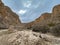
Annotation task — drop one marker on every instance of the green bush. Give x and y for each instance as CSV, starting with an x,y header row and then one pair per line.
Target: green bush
x,y
51,24
38,28
55,30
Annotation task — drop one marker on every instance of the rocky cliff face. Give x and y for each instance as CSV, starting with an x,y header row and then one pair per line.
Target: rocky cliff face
x,y
7,17
47,18
56,14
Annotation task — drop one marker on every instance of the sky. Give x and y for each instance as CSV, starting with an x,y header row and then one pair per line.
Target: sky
x,y
29,10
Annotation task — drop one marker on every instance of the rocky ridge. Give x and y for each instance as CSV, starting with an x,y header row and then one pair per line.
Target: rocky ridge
x,y
8,17
47,18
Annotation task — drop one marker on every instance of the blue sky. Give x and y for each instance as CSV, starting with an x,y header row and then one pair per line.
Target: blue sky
x,y
29,10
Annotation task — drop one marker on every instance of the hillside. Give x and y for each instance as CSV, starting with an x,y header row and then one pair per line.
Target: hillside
x,y
47,18
8,17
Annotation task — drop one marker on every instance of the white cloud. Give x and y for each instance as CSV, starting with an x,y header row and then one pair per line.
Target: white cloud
x,y
22,12
27,4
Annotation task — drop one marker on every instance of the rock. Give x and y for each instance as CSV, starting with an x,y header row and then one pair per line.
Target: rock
x,y
28,38
8,17
56,14
56,10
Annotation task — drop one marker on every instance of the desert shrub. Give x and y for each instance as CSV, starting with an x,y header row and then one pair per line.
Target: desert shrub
x,y
55,30
51,24
38,28
29,27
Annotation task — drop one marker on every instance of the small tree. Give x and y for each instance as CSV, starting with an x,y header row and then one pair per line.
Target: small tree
x,y
55,30
38,28
51,24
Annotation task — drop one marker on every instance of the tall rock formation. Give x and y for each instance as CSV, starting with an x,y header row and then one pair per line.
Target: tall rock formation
x,y
7,17
56,14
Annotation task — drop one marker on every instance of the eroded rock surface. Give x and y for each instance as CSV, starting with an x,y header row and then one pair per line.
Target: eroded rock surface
x,y
47,18
28,38
7,17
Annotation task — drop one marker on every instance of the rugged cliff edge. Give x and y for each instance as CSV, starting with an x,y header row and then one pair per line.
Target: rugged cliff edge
x,y
47,18
7,17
